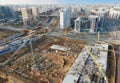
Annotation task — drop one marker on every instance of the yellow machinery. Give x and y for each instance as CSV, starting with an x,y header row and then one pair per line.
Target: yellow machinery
x,y
97,64
98,35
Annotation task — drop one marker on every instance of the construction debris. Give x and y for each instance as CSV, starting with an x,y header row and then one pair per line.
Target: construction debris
x,y
50,61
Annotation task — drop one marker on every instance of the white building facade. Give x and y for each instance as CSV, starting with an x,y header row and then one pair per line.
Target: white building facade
x,y
35,13
102,13
115,12
77,25
26,15
65,18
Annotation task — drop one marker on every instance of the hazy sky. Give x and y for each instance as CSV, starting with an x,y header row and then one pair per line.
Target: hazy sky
x,y
28,1
57,1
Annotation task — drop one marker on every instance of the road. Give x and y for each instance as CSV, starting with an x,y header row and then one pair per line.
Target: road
x,y
10,28
78,36
13,44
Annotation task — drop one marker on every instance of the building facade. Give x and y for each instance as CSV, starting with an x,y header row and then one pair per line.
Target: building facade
x,y
29,15
65,18
94,20
7,13
74,13
115,13
102,13
26,16
35,13
82,25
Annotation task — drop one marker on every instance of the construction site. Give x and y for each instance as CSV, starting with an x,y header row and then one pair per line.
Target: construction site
x,y
51,55
48,59
60,60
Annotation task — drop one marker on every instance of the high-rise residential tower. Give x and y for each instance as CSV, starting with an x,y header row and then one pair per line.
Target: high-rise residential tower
x,y
65,18
35,13
94,20
26,16
102,13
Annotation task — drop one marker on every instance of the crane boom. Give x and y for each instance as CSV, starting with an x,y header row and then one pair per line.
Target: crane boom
x,y
97,64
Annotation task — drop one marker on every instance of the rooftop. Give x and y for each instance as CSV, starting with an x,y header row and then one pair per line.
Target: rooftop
x,y
58,47
100,10
93,16
84,64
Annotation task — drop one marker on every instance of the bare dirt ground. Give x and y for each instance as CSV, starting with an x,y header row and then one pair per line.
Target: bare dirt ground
x,y
53,65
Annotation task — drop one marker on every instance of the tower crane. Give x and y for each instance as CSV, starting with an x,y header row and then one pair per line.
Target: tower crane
x,y
32,54
97,64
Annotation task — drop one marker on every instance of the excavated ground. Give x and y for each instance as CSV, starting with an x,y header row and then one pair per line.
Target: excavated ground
x,y
44,66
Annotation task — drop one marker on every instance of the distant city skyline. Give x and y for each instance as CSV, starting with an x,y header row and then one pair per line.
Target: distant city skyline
x,y
4,2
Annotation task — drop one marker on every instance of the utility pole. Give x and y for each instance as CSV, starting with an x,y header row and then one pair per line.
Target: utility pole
x,y
65,32
32,53
98,35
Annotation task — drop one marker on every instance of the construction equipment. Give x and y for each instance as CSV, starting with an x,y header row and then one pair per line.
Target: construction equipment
x,y
32,54
103,49
97,64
